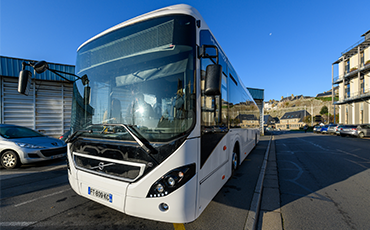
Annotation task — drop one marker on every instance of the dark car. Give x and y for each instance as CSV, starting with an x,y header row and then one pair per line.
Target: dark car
x,y
363,131
65,136
348,130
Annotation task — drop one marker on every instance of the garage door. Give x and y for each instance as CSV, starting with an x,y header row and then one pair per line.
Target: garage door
x,y
47,108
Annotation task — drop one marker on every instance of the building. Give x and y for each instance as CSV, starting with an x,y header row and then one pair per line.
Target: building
x,y
354,83
248,121
268,121
47,108
329,93
292,120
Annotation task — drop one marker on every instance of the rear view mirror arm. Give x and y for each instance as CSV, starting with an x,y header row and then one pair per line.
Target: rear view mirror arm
x,y
44,66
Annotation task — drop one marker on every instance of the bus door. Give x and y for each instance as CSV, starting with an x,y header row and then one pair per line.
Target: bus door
x,y
215,152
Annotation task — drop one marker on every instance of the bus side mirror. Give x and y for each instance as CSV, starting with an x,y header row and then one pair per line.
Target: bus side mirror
x,y
40,67
213,80
24,82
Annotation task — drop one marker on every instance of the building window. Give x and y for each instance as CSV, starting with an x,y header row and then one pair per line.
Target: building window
x,y
347,67
362,61
362,83
347,89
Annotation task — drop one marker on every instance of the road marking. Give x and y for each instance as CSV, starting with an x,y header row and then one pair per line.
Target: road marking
x,y
30,201
179,226
14,224
55,168
314,144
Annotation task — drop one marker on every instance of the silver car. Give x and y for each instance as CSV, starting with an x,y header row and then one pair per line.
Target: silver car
x,y
332,129
21,145
348,130
363,131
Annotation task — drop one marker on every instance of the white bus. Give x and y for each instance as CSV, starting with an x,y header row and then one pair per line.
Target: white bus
x,y
160,119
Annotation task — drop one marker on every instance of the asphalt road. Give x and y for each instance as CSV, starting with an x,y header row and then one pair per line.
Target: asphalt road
x,y
324,181
39,197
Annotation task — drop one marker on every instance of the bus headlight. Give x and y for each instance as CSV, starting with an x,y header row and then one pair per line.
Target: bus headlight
x,y
159,188
171,181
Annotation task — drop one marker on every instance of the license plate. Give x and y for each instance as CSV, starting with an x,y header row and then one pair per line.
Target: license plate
x,y
57,156
100,194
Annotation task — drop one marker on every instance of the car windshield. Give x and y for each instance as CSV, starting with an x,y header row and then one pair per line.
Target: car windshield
x,y
141,76
18,132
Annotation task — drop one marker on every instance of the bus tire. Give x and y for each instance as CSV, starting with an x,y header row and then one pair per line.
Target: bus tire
x,y
235,160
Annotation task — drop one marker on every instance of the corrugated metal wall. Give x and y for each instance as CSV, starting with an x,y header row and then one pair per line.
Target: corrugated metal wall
x,y
47,108
48,105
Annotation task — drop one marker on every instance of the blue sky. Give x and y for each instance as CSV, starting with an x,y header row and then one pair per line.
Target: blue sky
x,y
284,47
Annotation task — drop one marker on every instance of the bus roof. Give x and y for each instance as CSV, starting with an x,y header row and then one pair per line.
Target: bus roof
x,y
175,9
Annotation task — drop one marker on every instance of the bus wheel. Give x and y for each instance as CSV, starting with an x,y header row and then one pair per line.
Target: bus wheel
x,y
234,162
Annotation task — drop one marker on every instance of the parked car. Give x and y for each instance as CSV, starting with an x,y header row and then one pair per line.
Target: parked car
x,y
316,129
324,129
363,131
332,129
21,145
348,130
337,129
65,135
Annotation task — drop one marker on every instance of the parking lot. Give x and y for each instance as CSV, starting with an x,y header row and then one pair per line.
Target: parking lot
x,y
322,183
39,196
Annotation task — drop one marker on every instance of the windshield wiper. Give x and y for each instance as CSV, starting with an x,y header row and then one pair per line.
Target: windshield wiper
x,y
148,148
77,134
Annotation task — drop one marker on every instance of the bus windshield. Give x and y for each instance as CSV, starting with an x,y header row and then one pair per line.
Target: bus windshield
x,y
142,76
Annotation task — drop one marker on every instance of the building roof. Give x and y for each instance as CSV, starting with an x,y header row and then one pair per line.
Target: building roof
x,y
296,114
366,33
362,44
325,94
267,119
244,117
10,67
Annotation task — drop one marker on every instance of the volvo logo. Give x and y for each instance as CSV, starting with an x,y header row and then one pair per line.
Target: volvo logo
x,y
101,166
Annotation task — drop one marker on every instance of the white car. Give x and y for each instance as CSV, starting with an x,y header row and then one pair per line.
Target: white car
x,y
21,145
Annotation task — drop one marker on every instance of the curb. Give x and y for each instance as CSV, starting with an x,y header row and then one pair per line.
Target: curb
x,y
270,216
252,218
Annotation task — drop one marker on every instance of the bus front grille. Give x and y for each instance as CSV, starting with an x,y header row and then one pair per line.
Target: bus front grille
x,y
116,169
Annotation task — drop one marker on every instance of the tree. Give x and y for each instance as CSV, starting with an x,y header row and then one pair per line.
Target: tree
x,y
307,119
324,110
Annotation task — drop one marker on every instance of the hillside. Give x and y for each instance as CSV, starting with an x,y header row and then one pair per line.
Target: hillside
x,y
311,105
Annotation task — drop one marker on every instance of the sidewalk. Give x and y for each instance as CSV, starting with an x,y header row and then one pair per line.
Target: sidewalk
x,y
270,213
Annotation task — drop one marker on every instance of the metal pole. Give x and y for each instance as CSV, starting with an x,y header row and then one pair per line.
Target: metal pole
x,y
332,89
311,115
